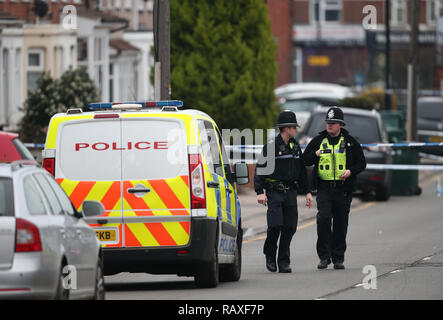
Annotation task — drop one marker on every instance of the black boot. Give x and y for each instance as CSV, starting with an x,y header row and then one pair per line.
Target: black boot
x,y
323,264
284,268
270,264
339,266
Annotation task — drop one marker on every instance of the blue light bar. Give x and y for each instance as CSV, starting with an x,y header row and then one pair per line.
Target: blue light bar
x,y
100,106
144,105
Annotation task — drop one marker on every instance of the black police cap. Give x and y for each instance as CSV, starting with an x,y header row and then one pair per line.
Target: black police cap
x,y
287,119
335,114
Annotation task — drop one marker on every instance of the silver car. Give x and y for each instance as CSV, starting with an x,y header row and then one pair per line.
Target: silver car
x,y
47,250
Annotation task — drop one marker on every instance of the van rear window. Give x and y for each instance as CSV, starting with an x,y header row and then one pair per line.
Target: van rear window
x,y
88,150
158,148
6,197
122,149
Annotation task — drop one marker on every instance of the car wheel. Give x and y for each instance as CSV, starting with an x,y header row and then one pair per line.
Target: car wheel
x,y
99,292
207,274
62,293
382,194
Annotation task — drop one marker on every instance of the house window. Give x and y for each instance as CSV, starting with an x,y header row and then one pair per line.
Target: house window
x,y
18,69
98,49
141,5
60,57
82,49
326,11
128,4
434,10
5,78
35,67
399,12
150,5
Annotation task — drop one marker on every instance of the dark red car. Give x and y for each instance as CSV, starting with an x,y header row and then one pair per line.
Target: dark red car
x,y
12,149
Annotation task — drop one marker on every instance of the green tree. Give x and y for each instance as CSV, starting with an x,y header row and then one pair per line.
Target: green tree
x,y
73,90
223,61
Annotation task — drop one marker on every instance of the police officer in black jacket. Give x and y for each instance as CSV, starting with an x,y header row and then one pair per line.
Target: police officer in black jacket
x,y
281,190
337,158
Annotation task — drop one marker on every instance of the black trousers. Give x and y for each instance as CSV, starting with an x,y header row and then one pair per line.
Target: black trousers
x,y
282,218
333,206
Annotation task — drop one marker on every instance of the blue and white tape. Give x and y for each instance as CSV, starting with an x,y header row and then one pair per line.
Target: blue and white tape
x,y
256,149
34,145
386,145
421,167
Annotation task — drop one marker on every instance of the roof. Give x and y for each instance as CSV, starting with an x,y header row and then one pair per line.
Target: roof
x,y
122,45
104,17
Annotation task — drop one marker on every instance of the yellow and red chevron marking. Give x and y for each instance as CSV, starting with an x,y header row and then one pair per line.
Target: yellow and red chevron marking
x,y
168,197
106,192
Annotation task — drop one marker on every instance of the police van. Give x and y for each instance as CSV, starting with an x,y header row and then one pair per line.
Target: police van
x,y
167,191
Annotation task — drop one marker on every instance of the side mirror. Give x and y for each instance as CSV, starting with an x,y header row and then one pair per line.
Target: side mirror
x,y
92,208
241,173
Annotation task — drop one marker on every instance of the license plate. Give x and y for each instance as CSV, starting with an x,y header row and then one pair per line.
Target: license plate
x,y
106,235
435,139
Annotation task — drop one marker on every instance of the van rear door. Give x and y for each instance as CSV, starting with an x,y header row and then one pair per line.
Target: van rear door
x,y
155,180
88,167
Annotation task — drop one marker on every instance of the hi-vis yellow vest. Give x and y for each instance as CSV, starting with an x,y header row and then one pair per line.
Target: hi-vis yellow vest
x,y
332,161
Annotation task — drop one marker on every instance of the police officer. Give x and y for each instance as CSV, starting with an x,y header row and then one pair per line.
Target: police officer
x,y
337,158
281,190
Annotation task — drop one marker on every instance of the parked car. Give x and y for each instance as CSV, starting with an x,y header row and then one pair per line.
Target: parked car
x,y
430,123
303,98
12,149
46,249
367,127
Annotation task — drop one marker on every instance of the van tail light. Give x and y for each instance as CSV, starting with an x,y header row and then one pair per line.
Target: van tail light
x,y
197,182
49,165
27,236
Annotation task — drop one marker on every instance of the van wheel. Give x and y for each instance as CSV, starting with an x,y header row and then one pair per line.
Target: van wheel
x,y
61,293
232,272
208,273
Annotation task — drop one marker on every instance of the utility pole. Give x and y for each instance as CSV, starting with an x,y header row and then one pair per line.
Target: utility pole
x,y
388,55
414,9
162,46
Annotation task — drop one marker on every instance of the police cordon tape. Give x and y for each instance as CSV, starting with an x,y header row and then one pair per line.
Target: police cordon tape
x,y
256,149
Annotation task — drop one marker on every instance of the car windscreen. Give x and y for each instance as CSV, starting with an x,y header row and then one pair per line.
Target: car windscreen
x,y
6,197
432,110
299,105
365,129
22,150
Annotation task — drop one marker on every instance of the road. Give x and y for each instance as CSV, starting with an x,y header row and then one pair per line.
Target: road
x,y
401,238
